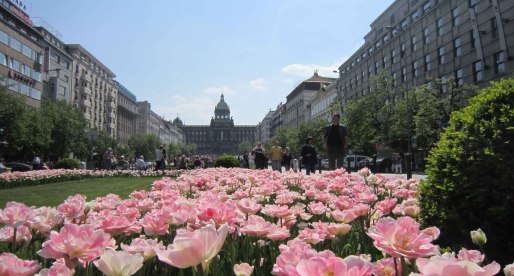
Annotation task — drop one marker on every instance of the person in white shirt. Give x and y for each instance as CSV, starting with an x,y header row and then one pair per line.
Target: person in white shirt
x,y
141,164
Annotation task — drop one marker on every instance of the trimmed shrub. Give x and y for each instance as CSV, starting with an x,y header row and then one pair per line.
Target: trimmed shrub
x,y
67,163
471,175
226,161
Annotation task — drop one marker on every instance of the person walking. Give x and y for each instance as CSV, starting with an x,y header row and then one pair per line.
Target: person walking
x,y
158,158
107,159
276,157
286,159
251,160
261,160
335,142
309,157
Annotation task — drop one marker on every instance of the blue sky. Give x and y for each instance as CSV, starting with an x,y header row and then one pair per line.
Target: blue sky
x,y
181,54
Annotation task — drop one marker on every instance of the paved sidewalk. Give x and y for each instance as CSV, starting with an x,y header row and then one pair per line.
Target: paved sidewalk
x,y
414,174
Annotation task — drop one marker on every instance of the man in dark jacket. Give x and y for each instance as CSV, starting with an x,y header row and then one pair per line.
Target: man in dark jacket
x,y
335,142
309,156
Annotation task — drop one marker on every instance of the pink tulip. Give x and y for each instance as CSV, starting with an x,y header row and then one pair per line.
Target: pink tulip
x,y
23,234
79,242
256,226
401,237
44,219
11,265
16,214
449,265
248,206
58,268
194,248
471,255
243,269
73,208
385,267
119,263
146,247
509,270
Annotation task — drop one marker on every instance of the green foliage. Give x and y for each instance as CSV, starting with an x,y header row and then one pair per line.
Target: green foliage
x,y
144,144
294,138
67,163
245,146
13,113
470,174
226,161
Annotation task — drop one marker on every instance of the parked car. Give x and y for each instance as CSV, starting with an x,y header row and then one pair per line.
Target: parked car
x,y
351,161
383,164
3,168
18,167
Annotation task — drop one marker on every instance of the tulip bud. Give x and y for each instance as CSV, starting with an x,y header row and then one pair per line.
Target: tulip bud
x,y
478,237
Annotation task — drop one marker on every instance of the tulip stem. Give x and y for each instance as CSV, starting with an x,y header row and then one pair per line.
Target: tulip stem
x,y
395,267
13,245
199,269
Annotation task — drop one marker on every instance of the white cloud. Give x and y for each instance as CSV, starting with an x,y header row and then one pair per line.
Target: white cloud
x,y
217,90
307,70
191,110
288,81
258,84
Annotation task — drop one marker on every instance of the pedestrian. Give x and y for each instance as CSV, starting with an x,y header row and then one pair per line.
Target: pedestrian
x,y
182,163
251,160
158,158
246,160
309,157
261,160
164,160
286,159
335,142
141,164
197,163
276,157
107,159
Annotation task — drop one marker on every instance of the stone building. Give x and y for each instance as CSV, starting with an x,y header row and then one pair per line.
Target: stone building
x,y
418,41
127,114
221,136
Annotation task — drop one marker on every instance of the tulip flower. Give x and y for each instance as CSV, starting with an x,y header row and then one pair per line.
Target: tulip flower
x,y
119,263
194,248
243,269
478,237
10,264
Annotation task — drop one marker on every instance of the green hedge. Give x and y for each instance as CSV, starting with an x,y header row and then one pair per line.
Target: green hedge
x,y
226,161
471,175
68,163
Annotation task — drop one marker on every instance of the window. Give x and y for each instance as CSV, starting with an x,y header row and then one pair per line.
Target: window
x,y
378,44
404,24
404,74
458,77
395,77
442,56
415,69
499,63
370,50
456,17
472,39
403,47
377,65
494,27
25,50
414,41
364,55
440,26
15,65
478,71
394,56
426,35
35,94
3,59
473,4
15,44
414,16
427,7
24,89
428,63
386,38
457,47
4,38
384,61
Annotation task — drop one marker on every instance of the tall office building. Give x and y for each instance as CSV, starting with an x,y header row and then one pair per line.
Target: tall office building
x,y
127,114
95,91
20,53
418,41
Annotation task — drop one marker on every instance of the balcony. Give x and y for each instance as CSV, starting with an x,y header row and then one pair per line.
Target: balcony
x,y
85,77
112,104
85,90
85,102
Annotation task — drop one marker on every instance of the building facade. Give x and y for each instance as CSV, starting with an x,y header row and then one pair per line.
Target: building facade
x,y
298,101
57,67
221,136
319,108
127,115
20,53
264,127
470,41
95,92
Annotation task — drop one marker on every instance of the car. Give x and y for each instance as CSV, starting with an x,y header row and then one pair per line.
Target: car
x,y
383,164
351,161
3,168
18,167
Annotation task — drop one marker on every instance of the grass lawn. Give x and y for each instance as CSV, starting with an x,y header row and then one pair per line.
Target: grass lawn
x,y
55,194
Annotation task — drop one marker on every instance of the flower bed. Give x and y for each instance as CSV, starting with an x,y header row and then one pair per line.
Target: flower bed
x,y
32,178
236,221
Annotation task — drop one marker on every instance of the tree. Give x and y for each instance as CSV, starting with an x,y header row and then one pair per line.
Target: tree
x,y
68,127
144,144
245,146
13,119
374,118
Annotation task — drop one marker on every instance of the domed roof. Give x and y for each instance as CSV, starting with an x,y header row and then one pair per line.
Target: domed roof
x,y
222,105
178,122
